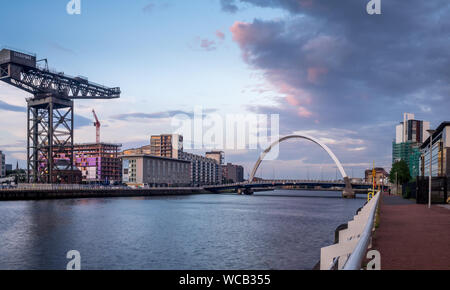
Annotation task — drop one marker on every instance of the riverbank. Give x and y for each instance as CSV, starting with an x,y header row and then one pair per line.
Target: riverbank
x,y
412,237
40,194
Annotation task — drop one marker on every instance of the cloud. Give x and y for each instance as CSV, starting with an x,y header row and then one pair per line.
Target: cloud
x,y
207,44
148,8
61,48
229,6
158,115
220,35
203,44
354,61
152,6
8,107
357,149
331,64
80,121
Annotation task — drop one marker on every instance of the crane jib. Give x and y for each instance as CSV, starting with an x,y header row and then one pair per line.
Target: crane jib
x,y
49,155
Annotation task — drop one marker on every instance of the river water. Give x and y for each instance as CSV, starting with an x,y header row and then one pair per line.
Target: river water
x,y
271,230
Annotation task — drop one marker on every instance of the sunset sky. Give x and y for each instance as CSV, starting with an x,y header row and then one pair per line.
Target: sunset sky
x,y
326,67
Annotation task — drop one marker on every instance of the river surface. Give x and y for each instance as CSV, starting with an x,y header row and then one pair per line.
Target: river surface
x,y
271,230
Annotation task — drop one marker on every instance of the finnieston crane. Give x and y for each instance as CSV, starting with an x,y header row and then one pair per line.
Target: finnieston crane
x,y
50,111
97,127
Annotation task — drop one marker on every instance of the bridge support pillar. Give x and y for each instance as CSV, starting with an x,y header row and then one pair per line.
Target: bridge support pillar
x,y
246,191
348,190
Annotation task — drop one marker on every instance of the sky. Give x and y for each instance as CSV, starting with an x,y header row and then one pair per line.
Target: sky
x,y
326,67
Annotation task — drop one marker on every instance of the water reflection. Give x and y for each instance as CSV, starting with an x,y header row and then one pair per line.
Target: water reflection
x,y
267,231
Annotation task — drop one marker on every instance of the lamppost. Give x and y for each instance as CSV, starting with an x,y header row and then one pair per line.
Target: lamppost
x,y
431,132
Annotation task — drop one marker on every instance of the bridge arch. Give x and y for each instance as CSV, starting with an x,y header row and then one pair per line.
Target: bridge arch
x,y
348,188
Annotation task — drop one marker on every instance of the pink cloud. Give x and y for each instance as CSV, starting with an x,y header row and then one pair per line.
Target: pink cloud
x,y
240,31
314,73
247,35
220,34
292,101
207,44
306,3
303,112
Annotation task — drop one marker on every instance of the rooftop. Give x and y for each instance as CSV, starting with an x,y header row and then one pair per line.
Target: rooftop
x,y
153,157
438,131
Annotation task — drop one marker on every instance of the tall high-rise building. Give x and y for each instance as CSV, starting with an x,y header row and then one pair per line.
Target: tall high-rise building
x,y
409,135
2,164
411,130
166,145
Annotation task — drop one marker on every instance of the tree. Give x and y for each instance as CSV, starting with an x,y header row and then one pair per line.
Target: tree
x,y
399,172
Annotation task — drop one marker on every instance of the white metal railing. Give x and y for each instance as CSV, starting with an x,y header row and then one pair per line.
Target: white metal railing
x,y
353,242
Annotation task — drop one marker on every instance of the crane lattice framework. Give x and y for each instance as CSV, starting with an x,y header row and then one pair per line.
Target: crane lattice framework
x,y
50,111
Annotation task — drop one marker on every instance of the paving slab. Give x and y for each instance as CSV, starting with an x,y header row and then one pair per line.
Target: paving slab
x,y
412,237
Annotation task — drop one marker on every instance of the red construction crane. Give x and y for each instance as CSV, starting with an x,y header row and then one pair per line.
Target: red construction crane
x,y
97,127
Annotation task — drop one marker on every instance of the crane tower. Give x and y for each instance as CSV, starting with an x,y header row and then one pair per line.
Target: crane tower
x,y
50,113
97,127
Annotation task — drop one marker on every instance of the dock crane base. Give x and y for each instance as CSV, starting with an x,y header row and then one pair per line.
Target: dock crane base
x,y
50,136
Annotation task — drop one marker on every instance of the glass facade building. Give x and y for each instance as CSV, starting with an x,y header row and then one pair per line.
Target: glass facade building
x,y
410,153
440,163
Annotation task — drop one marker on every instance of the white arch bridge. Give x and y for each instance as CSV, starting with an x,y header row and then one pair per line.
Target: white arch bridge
x,y
251,183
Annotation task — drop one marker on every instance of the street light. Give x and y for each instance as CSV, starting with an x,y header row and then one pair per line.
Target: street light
x,y
431,132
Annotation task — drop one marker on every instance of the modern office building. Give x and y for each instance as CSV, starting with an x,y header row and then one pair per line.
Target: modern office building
x,y
9,167
410,153
204,171
98,162
142,169
2,164
411,130
410,134
232,173
166,145
440,162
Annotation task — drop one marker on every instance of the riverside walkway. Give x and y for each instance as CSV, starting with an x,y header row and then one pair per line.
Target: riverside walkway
x,y
412,237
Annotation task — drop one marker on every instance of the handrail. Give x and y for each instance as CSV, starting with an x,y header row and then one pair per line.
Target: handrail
x,y
356,258
334,264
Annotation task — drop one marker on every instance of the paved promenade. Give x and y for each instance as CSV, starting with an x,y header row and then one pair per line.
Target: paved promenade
x,y
411,236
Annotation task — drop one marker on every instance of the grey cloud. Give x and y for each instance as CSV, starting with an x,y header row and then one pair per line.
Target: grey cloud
x,y
61,48
152,6
339,66
229,6
148,8
8,107
81,121
157,115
